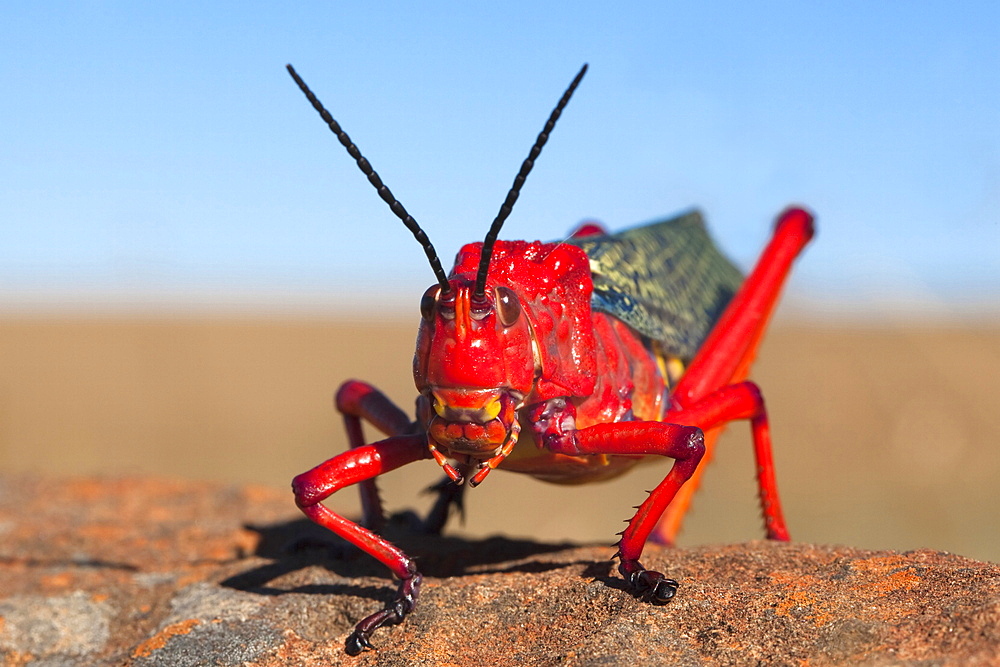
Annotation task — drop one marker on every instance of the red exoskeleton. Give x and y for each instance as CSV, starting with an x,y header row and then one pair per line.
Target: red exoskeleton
x,y
570,362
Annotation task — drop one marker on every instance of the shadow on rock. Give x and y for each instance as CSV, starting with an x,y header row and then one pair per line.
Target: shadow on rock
x,y
293,546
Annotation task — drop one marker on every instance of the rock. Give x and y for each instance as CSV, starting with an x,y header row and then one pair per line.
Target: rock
x,y
154,572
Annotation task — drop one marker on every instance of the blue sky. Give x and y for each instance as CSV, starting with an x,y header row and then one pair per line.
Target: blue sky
x,y
159,152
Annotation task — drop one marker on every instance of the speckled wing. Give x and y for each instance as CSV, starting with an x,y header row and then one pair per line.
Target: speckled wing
x,y
666,280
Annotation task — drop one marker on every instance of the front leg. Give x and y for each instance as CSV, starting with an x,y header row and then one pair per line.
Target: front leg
x,y
684,444
355,466
359,401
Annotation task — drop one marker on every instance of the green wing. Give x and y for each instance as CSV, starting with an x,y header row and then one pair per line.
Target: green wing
x,y
666,280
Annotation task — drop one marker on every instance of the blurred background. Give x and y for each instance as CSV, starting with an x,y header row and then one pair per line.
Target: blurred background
x,y
191,264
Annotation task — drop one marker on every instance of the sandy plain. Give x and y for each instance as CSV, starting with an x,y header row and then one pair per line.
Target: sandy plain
x,y
886,436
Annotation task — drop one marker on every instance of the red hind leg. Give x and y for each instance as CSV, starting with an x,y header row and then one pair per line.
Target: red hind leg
x,y
728,352
743,401
725,358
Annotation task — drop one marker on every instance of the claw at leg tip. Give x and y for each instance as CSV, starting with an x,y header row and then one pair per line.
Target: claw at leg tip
x,y
355,644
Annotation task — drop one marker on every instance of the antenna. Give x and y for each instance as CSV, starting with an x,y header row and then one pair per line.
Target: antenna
x,y
383,190
508,204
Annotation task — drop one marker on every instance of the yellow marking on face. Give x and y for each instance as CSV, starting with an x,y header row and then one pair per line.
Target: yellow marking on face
x,y
493,408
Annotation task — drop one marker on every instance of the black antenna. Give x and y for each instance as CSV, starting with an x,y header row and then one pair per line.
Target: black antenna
x,y
374,179
529,162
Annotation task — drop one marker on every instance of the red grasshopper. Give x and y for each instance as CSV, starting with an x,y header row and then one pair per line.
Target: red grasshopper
x,y
571,362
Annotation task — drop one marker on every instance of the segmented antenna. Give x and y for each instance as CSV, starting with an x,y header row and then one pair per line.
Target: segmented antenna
x,y
374,179
529,162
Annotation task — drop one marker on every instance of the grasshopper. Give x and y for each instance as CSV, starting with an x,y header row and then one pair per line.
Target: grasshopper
x,y
571,362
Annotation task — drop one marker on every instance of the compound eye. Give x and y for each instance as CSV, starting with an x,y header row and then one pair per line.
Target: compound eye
x,y
428,301
508,306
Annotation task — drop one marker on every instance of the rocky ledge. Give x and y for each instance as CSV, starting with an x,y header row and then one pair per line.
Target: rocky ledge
x,y
153,572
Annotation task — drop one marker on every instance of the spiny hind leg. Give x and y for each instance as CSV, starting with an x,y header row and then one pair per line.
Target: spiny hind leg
x,y
725,359
732,402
